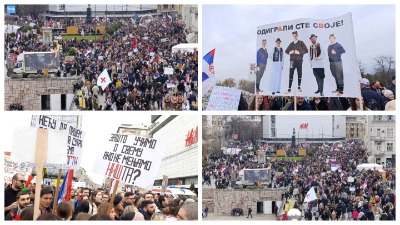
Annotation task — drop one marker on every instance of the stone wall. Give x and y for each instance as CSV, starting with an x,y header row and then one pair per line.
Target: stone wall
x,y
208,199
28,91
227,199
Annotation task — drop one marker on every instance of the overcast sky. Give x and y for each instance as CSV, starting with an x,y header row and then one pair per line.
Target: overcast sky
x,y
231,30
97,133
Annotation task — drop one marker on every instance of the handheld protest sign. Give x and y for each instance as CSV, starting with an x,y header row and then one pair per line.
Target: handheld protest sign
x,y
56,193
40,159
131,159
112,197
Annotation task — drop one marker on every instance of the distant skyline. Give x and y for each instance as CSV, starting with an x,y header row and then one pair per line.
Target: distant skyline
x,y
234,37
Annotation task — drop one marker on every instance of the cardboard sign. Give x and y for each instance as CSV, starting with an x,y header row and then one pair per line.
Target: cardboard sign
x,y
131,159
74,141
168,70
224,98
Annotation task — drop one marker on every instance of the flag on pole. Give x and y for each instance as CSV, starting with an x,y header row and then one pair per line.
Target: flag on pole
x,y
311,196
295,169
208,76
103,80
364,185
88,52
69,185
334,166
63,189
170,17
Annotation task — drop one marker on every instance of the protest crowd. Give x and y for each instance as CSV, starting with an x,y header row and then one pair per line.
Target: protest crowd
x,y
88,204
375,97
134,56
342,192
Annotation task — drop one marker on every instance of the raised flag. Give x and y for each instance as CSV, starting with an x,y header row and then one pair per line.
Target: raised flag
x,y
63,189
88,52
364,185
311,196
295,169
334,166
208,76
170,17
103,80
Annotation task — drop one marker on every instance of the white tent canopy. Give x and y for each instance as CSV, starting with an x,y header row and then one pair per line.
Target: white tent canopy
x,y
184,48
8,29
370,166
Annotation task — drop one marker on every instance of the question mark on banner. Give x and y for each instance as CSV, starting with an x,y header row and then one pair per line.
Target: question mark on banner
x,y
137,174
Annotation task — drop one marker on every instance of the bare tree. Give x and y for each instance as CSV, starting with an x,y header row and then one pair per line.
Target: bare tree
x,y
229,82
385,69
246,85
211,138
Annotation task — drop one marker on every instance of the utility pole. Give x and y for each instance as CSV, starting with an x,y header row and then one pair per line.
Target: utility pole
x,y
95,22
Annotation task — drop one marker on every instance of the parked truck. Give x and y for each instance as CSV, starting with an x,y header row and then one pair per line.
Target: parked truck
x,y
32,62
249,177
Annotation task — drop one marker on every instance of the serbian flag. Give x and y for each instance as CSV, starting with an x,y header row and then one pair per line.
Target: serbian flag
x,y
334,166
103,80
311,196
64,193
364,185
208,76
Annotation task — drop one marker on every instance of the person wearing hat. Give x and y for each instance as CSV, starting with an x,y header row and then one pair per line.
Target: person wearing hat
x,y
372,99
262,56
316,56
335,51
296,50
277,67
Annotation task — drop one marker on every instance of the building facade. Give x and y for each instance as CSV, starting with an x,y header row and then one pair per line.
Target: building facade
x,y
356,127
179,160
97,10
381,140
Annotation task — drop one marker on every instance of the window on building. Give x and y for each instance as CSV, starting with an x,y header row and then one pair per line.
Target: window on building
x,y
63,102
378,132
389,147
45,102
390,132
390,118
378,146
172,6
379,118
165,6
378,161
273,132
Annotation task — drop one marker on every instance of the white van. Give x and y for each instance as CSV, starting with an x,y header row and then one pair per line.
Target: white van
x,y
176,193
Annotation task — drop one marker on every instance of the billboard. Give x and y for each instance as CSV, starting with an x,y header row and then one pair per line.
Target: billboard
x,y
11,9
308,57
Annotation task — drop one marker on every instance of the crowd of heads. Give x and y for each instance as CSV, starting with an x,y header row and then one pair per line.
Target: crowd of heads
x,y
134,56
374,97
98,204
340,192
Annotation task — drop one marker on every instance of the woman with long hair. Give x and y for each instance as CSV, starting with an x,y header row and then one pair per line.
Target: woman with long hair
x,y
355,105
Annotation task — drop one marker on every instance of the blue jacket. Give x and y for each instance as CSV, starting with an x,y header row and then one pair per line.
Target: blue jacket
x,y
305,106
262,56
339,51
